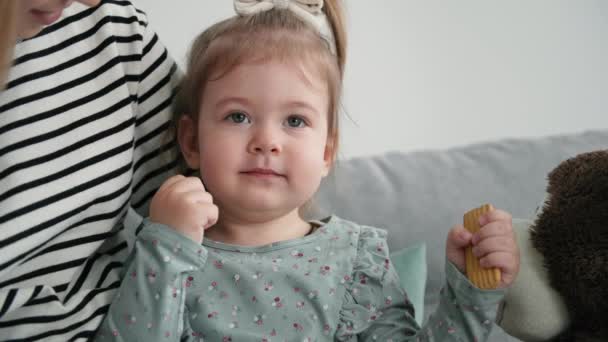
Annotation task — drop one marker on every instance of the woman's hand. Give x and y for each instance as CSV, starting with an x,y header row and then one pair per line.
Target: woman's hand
x,y
183,204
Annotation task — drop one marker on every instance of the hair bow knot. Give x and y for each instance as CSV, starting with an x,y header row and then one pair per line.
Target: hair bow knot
x,y
310,11
281,4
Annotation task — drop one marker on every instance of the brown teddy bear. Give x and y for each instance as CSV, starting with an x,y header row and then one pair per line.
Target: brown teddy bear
x,y
571,234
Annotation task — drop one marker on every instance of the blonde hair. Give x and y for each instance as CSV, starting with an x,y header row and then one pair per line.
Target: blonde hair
x,y
8,37
267,35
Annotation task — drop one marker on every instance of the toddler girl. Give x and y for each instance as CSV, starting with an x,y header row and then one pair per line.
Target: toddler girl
x,y
232,259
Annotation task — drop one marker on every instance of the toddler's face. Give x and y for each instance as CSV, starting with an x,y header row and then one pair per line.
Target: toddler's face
x,y
262,136
33,15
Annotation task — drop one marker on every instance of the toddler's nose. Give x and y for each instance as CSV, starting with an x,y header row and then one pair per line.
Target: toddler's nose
x,y
265,141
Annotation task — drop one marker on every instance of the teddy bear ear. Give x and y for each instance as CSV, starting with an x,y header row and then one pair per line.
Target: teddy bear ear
x,y
581,176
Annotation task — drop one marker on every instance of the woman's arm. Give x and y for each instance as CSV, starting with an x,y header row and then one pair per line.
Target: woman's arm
x,y
8,37
65,296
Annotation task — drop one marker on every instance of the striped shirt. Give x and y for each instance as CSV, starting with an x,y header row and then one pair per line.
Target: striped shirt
x,y
83,124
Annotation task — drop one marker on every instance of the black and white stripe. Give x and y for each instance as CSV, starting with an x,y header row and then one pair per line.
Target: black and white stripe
x,y
83,125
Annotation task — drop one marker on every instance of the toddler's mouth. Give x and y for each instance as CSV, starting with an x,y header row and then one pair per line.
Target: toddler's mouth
x,y
262,172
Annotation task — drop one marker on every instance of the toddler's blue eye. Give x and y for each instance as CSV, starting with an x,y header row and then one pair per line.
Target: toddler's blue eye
x,y
238,117
295,121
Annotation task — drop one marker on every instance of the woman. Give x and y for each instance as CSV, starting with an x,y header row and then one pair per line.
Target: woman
x,y
83,115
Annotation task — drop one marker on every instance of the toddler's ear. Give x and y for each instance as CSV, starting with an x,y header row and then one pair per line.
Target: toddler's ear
x,y
188,140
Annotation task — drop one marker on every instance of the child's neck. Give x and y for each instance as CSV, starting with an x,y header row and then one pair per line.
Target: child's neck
x,y
243,232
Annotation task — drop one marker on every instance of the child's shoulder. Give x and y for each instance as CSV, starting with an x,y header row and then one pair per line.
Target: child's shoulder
x,y
364,231
365,238
367,246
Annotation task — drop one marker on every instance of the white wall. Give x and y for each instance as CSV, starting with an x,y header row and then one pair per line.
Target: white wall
x,y
436,74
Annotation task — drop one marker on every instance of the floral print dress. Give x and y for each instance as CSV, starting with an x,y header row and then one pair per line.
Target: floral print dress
x,y
335,284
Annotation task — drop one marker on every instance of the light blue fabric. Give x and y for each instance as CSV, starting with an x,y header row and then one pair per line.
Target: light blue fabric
x,y
410,264
337,283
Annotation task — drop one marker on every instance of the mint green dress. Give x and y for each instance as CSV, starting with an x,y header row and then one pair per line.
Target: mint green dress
x,y
335,284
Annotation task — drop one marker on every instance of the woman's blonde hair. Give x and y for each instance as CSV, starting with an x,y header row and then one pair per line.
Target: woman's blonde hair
x,y
8,37
273,34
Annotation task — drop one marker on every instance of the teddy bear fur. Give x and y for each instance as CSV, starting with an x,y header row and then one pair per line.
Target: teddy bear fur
x,y
571,232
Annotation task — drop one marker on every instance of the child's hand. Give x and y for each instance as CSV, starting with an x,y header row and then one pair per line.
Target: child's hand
x,y
183,204
494,245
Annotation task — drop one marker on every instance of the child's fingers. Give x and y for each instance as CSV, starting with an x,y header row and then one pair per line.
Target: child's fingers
x,y
494,244
507,262
458,238
186,184
211,213
197,196
496,228
170,181
495,215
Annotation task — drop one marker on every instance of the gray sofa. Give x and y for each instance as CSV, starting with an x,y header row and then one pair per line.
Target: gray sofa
x,y
419,196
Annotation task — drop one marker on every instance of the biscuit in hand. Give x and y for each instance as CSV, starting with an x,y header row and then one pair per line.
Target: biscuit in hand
x,y
483,278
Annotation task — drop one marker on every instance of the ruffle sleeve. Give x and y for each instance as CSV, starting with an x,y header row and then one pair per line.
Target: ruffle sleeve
x,y
375,306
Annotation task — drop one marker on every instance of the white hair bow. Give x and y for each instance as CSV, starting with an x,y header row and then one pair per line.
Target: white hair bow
x,y
310,11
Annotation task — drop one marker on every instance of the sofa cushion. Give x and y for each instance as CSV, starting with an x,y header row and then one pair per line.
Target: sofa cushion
x,y
410,264
418,196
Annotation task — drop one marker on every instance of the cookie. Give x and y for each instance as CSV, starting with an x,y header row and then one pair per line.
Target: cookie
x,y
483,278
